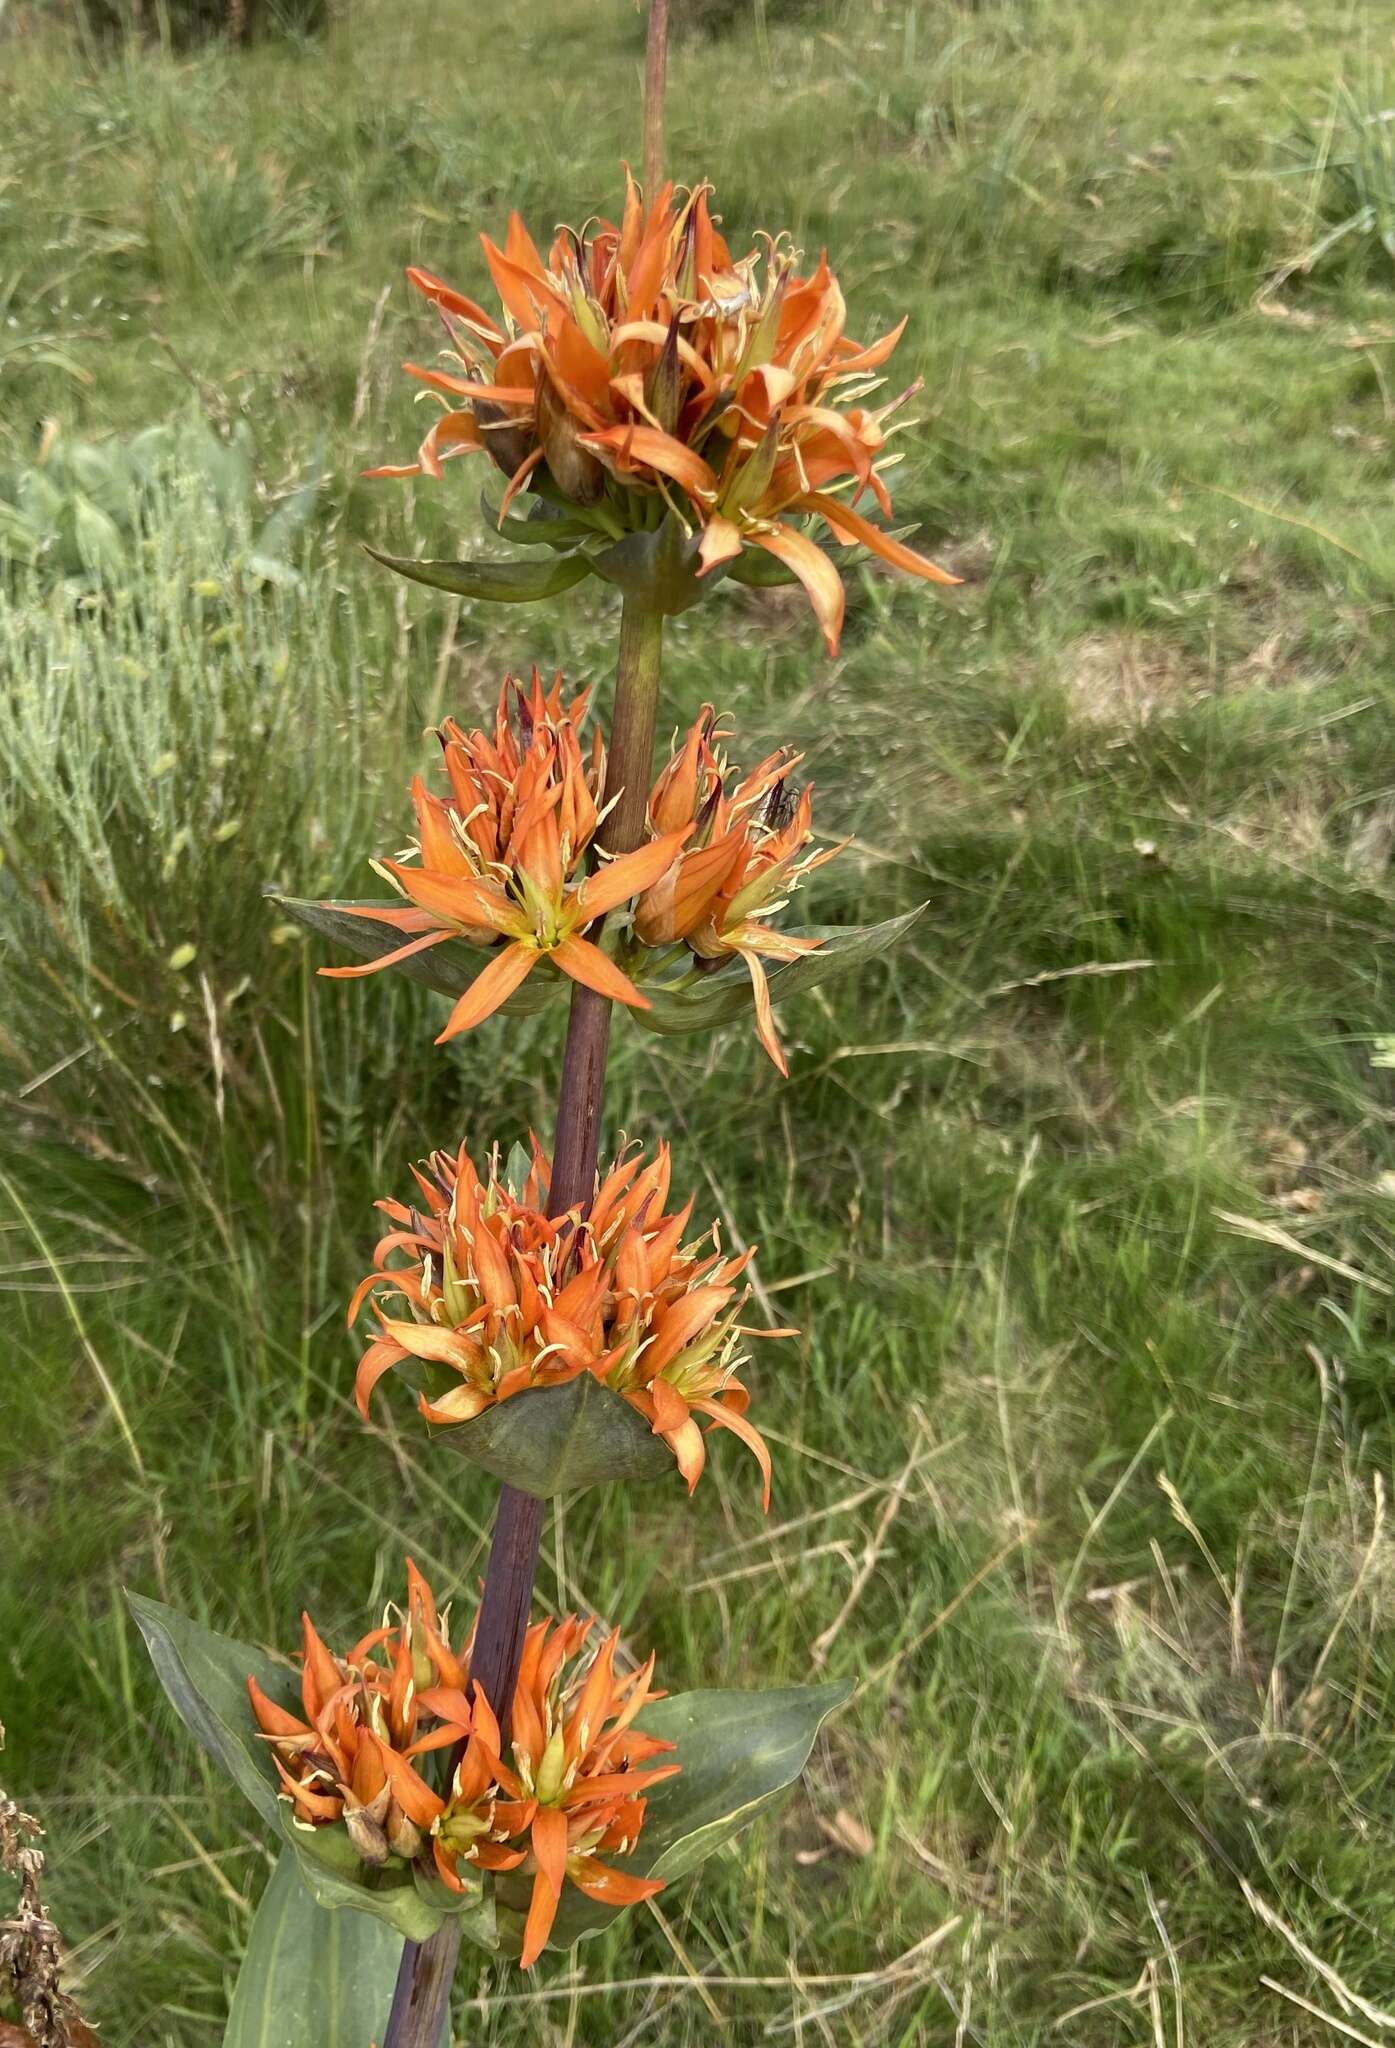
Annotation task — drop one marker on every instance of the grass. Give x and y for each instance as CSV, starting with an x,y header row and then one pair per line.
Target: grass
x,y
1083,1199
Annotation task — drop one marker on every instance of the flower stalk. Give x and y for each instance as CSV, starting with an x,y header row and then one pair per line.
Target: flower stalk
x,y
655,70
421,2002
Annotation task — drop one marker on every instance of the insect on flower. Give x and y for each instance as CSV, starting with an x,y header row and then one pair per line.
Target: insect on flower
x,y
641,367
502,1298
744,858
501,861
367,1756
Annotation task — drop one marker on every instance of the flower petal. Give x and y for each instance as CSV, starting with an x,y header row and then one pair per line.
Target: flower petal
x,y
751,1437
594,969
420,945
814,570
850,525
630,874
494,986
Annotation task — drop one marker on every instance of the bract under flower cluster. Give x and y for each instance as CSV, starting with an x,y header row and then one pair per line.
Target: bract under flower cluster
x,y
642,366
507,1299
572,1796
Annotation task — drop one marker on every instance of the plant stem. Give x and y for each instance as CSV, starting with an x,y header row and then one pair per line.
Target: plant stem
x,y
655,70
421,2002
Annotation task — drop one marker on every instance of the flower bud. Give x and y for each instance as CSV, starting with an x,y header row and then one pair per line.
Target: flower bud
x,y
552,1769
367,1836
506,444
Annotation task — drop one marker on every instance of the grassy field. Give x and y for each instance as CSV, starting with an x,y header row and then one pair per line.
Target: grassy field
x,y
1085,1200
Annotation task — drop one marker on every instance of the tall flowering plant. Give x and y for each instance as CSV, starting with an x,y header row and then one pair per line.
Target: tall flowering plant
x,y
665,412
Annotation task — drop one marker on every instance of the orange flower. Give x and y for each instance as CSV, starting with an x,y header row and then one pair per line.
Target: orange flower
x,y
362,1719
501,861
575,1793
375,1718
506,1299
641,365
739,866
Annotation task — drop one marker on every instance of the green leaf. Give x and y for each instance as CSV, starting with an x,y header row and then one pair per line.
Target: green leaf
x,y
659,568
740,1752
553,1440
311,1979
448,968
720,998
494,582
205,1676
542,525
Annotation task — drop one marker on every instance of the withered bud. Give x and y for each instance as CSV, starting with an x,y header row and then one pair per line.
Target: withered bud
x,y
508,442
577,473
664,391
369,1840
404,1836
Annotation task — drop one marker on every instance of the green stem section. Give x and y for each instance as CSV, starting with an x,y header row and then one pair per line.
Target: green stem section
x,y
421,2002
655,77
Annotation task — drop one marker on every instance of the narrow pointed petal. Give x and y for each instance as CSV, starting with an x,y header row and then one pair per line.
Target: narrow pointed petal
x,y
542,1911
495,985
612,1887
755,1443
850,525
765,1013
630,874
721,541
814,570
416,1798
594,969
383,960
655,450
378,1359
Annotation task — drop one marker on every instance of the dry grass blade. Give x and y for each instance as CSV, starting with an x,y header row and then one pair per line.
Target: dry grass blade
x,y
1284,1241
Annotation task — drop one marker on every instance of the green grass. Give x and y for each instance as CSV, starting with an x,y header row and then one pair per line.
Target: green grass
x,y
1105,1471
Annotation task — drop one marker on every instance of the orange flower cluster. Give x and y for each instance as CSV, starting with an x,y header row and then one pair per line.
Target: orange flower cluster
x,y
643,365
363,1715
502,858
507,1298
741,860
573,1795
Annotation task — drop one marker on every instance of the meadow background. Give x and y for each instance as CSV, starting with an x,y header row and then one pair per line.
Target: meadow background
x,y
1084,1199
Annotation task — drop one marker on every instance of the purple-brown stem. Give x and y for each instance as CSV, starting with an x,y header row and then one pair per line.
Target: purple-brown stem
x,y
421,2001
